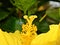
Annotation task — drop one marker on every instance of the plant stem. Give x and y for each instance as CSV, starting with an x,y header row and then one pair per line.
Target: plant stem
x,y
42,18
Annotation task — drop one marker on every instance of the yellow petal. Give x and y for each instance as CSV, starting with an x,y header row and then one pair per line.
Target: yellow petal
x,y
9,39
2,39
52,37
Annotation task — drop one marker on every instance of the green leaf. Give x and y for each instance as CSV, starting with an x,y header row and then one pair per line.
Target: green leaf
x,y
23,4
53,13
41,26
33,9
44,27
12,24
3,14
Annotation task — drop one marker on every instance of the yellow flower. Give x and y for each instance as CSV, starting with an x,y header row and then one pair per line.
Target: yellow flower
x,y
28,36
52,37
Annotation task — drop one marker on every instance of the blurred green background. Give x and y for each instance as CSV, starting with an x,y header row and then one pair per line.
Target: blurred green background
x,y
12,12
